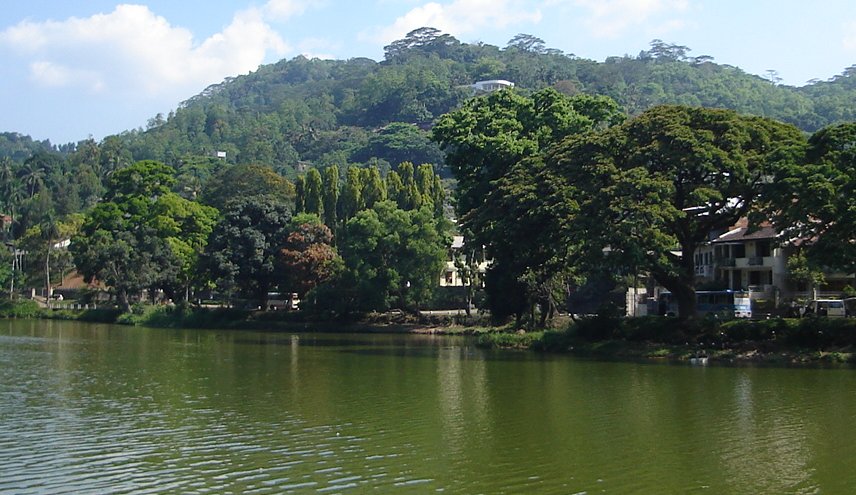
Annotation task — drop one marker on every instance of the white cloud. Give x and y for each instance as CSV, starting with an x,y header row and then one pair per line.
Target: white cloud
x,y
133,50
610,18
282,10
55,75
317,48
849,40
457,18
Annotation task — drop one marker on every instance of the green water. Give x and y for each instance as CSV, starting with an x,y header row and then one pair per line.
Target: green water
x,y
106,409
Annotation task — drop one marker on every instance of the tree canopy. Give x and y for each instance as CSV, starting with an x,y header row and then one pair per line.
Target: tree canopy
x,y
652,190
811,201
488,144
142,235
242,255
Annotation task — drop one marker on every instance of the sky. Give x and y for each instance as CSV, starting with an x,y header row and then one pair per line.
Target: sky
x,y
75,69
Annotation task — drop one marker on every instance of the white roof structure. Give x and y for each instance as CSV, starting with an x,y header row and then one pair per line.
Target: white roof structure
x,y
492,85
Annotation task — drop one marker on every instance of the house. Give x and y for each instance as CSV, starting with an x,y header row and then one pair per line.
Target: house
x,y
451,276
750,258
492,85
743,258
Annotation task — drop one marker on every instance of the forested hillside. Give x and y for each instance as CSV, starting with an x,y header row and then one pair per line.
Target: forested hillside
x,y
321,112
354,111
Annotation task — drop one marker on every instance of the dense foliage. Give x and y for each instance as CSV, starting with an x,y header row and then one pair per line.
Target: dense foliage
x,y
548,177
651,191
355,111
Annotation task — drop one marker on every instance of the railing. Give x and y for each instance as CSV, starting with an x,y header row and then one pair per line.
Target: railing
x,y
73,306
756,261
726,262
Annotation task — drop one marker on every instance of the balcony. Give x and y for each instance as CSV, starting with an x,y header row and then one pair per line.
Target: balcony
x,y
726,262
756,261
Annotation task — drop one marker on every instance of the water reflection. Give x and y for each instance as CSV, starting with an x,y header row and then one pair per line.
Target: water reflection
x,y
97,408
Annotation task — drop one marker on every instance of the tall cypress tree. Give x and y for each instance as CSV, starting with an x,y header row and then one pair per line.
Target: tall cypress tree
x,y
313,202
331,196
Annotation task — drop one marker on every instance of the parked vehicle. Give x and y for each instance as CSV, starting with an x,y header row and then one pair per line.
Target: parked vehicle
x,y
289,301
832,308
724,304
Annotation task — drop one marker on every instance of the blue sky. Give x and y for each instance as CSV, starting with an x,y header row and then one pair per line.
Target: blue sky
x,y
79,68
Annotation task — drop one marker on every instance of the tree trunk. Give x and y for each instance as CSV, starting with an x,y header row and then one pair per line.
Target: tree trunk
x,y
48,275
682,287
686,297
122,299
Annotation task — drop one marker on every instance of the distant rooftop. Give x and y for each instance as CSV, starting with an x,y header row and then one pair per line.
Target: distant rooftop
x,y
492,85
742,232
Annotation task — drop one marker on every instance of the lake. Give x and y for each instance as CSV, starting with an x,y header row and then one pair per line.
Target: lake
x,y
90,408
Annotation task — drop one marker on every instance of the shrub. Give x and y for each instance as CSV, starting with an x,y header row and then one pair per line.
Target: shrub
x,y
757,330
555,341
20,309
508,339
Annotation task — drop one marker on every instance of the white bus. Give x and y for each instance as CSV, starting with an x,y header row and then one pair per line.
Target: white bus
x,y
724,304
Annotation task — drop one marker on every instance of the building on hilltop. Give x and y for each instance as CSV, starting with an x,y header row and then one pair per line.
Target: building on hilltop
x,y
491,85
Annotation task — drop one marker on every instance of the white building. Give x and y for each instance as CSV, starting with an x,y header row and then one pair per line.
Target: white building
x,y
744,258
492,85
451,276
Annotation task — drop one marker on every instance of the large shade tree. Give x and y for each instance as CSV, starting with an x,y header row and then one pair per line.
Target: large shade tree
x,y
484,142
813,200
142,235
650,191
243,181
243,250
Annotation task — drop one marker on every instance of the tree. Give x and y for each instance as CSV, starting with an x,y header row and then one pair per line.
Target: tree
x,y
331,197
40,241
374,189
142,235
243,181
308,255
424,38
125,258
526,43
812,199
398,142
32,176
408,197
313,201
484,142
393,258
652,190
300,194
489,134
6,269
49,234
243,250
352,194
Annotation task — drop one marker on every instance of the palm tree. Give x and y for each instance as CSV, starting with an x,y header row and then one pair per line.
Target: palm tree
x,y
32,176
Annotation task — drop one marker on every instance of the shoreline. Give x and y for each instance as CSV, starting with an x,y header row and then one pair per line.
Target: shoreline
x,y
763,342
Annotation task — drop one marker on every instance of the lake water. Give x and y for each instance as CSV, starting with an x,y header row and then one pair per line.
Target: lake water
x,y
107,409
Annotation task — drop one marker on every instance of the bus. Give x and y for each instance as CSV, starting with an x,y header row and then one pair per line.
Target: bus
x,y
724,304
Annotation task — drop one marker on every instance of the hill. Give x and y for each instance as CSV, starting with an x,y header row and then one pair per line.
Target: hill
x,y
301,112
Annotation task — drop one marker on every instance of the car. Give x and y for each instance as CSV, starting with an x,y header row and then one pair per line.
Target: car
x,y
831,308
